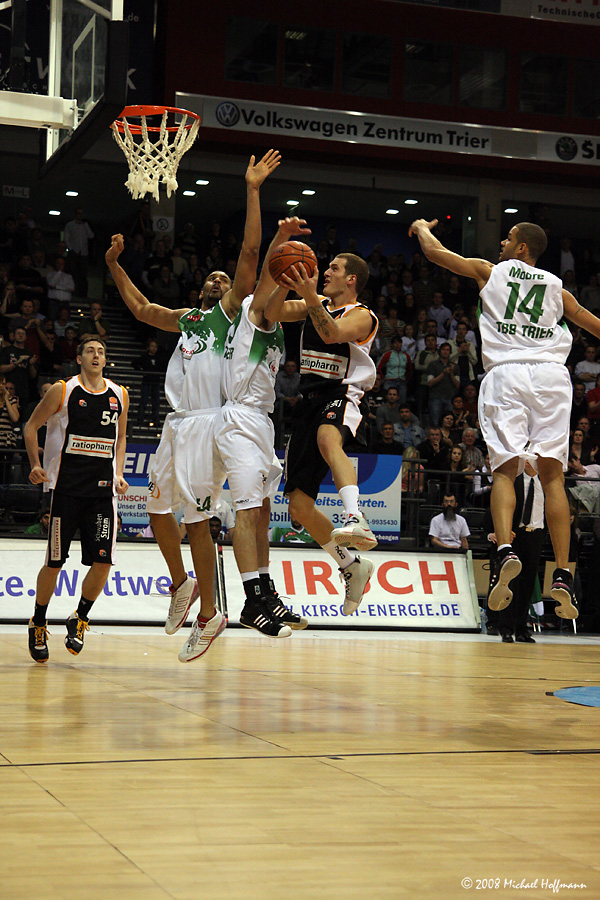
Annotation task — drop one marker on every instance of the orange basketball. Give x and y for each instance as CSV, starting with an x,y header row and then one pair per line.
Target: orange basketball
x,y
286,256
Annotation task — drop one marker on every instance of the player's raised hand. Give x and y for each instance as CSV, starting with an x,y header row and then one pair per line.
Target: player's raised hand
x,y
258,171
121,485
420,224
38,475
116,248
293,225
304,284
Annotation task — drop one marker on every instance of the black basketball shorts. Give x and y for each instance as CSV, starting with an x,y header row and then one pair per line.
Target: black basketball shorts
x,y
95,518
305,468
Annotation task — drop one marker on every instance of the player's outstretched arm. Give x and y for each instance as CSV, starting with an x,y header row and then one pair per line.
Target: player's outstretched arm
x,y
140,306
579,315
288,228
245,272
278,309
48,405
434,250
121,484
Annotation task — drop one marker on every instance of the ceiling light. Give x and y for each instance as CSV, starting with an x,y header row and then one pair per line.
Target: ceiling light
x,y
202,181
292,202
308,193
410,202
54,212
468,218
511,209
189,193
392,212
72,194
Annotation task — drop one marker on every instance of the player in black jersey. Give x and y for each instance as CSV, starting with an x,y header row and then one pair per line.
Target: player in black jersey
x,y
83,464
335,372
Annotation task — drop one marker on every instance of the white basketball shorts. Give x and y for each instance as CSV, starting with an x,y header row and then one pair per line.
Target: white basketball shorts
x,y
524,411
245,438
163,493
199,469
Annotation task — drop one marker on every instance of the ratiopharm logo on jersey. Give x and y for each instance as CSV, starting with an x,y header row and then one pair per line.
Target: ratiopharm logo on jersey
x,y
379,483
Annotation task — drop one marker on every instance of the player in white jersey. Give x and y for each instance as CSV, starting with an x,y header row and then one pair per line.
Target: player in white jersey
x,y
336,370
193,390
245,438
525,398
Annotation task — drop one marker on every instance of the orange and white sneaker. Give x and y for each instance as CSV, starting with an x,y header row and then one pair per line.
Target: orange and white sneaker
x,y
355,533
202,636
182,600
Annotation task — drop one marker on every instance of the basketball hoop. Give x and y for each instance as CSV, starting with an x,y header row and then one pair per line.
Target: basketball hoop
x,y
153,152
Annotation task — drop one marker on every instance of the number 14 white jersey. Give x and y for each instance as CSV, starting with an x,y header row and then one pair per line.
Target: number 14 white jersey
x,y
520,316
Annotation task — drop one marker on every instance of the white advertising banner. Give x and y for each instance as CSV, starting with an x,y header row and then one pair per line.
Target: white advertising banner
x,y
368,129
579,12
412,590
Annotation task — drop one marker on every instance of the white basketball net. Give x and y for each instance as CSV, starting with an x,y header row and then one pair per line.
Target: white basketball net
x,y
151,158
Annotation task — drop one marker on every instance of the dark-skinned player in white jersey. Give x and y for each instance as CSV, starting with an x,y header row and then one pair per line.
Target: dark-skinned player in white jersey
x,y
525,397
83,464
335,372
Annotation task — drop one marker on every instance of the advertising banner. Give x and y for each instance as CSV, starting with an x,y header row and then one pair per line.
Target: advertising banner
x,y
369,129
379,481
412,590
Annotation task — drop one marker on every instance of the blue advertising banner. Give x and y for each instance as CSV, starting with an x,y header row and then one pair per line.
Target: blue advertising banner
x,y
379,481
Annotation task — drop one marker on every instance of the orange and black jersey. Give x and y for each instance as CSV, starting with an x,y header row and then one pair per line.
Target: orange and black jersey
x,y
348,363
80,450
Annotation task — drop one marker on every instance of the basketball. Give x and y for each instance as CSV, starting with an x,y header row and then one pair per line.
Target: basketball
x,y
286,256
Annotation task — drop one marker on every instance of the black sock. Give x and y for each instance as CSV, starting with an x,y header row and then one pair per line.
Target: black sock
x,y
267,585
39,614
83,610
253,590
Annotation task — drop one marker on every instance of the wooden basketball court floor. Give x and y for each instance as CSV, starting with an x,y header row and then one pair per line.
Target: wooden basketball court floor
x,y
351,766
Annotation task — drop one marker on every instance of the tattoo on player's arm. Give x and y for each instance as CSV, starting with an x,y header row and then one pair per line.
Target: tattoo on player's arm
x,y
322,321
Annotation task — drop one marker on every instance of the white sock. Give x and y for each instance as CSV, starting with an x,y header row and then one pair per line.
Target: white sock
x,y
342,556
349,497
504,546
249,576
263,571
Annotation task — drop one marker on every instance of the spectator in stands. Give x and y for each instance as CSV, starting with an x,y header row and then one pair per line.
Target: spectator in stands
x,y
389,411
432,451
43,389
154,263
463,354
141,224
78,235
28,319
42,526
448,530
455,295
458,312
390,328
134,258
407,430
424,289
449,432
287,391
374,398
332,241
588,369
587,493
440,313
469,393
567,260
430,329
68,348
166,289
443,384
9,422
295,533
41,265
409,343
579,404
60,287
94,323
455,481
19,364
570,284
384,442
28,282
406,282
412,472
592,399
482,483
8,301
51,358
581,449
179,263
590,294
188,241
408,311
423,360
395,368
473,457
153,365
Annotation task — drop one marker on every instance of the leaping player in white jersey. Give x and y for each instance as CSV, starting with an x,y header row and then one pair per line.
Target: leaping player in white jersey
x,y
193,389
335,371
245,437
525,397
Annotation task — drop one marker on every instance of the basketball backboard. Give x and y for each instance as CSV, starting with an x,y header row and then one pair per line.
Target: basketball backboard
x,y
87,76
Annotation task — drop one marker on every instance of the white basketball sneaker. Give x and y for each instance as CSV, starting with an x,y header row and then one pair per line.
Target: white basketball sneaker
x,y
355,577
355,532
182,601
202,636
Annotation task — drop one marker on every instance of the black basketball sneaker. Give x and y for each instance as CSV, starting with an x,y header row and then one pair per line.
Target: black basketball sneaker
x,y
280,612
564,595
506,566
